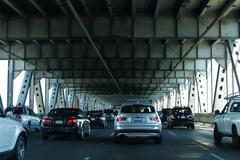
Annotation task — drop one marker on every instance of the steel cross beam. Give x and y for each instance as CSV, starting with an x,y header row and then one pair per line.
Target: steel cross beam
x,y
61,6
203,6
15,8
157,8
38,7
109,7
74,12
227,8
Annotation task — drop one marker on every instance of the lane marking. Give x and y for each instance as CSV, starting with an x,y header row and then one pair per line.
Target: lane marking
x,y
111,134
172,133
216,156
86,158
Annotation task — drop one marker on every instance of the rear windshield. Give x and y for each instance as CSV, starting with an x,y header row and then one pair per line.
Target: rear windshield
x,y
95,113
15,110
185,111
166,111
138,109
65,112
108,111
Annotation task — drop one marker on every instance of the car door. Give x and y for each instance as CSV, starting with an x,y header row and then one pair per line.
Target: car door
x,y
34,118
221,119
233,113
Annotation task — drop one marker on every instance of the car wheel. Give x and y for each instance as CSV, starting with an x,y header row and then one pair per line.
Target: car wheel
x,y
192,127
235,138
89,131
81,134
217,135
19,149
45,136
158,140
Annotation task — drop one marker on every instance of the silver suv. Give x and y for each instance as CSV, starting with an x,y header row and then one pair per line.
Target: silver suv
x,y
25,116
138,121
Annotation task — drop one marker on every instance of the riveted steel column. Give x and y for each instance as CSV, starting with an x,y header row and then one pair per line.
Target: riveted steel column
x,y
230,46
71,99
191,97
31,92
1,104
220,89
201,81
54,96
39,98
47,96
10,83
61,99
24,89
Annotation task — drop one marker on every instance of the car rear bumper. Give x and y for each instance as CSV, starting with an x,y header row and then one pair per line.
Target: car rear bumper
x,y
138,133
60,130
94,123
182,123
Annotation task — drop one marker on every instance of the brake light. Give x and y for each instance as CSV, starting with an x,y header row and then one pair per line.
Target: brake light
x,y
71,121
155,119
173,117
100,118
121,119
18,117
47,121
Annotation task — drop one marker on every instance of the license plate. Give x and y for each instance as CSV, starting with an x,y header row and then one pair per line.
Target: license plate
x,y
92,119
58,122
137,120
183,117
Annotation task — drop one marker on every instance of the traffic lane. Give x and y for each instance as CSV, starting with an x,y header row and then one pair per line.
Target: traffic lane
x,y
100,145
203,136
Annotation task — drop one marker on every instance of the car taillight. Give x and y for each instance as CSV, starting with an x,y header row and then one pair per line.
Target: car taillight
x,y
155,119
18,117
121,119
47,121
71,121
100,118
173,117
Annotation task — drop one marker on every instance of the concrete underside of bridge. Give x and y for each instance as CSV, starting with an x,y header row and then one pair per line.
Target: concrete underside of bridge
x,y
108,50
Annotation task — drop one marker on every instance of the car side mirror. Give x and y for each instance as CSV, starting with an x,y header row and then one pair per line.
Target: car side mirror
x,y
217,112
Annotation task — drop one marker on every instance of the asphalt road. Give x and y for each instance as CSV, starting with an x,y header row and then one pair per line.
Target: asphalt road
x,y
178,143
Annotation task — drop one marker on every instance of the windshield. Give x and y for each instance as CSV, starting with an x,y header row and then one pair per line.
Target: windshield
x,y
180,111
138,109
64,112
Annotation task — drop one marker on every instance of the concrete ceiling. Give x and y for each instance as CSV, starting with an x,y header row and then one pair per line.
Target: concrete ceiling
x,y
116,48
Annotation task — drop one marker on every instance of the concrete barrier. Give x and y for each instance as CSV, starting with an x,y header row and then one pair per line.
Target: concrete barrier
x,y
204,118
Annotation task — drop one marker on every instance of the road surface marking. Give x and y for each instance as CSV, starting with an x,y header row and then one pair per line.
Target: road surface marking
x,y
216,156
86,158
112,134
172,133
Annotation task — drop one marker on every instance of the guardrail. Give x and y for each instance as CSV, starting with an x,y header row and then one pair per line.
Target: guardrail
x,y
204,118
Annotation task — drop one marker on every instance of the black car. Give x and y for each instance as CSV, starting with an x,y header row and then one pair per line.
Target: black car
x,y
181,117
164,114
65,121
97,118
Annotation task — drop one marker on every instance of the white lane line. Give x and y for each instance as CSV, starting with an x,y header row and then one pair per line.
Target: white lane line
x,y
172,133
86,158
216,156
111,134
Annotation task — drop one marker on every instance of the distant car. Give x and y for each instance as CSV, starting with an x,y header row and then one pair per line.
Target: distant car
x,y
66,121
109,114
164,114
26,116
138,121
13,139
97,118
180,116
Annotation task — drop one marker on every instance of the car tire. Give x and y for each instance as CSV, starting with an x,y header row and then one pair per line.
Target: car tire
x,y
158,140
192,126
235,138
19,149
45,136
89,131
217,136
81,134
